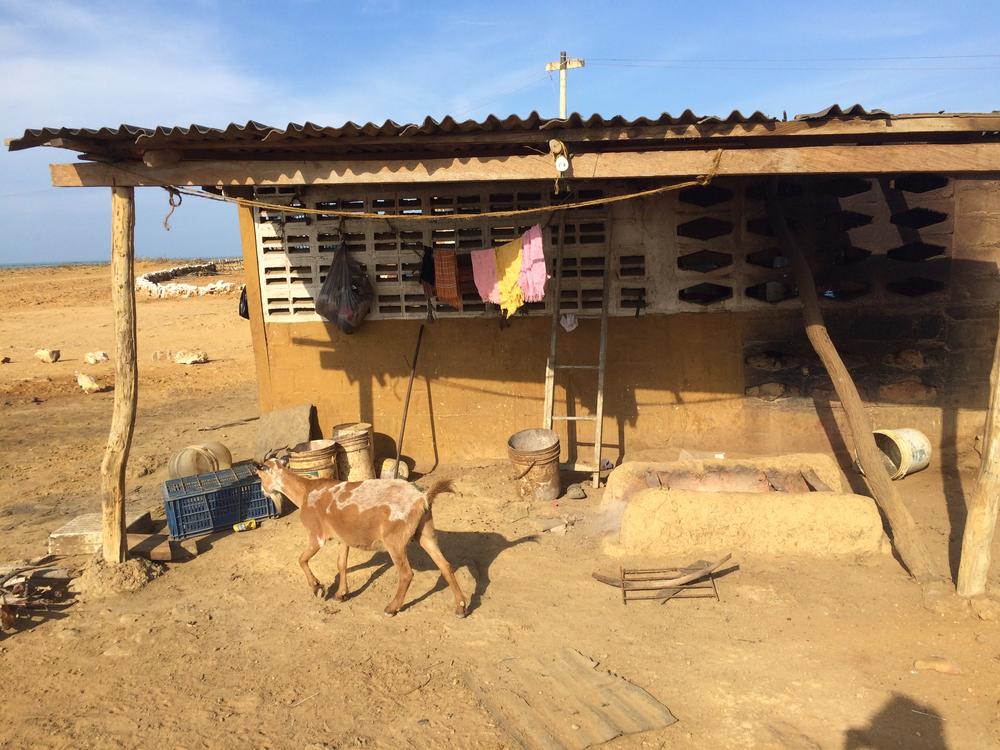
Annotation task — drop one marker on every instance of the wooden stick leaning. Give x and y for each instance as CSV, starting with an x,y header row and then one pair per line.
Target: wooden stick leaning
x,y
906,537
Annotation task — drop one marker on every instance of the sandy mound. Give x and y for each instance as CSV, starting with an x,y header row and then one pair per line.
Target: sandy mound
x,y
658,521
100,579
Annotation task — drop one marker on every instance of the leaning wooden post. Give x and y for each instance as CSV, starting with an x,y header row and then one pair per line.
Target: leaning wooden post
x,y
126,374
905,535
981,520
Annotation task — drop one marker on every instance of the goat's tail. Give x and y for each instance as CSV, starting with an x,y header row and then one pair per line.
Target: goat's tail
x,y
436,489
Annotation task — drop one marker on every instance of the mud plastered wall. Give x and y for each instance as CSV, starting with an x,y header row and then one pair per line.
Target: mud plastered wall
x,y
687,379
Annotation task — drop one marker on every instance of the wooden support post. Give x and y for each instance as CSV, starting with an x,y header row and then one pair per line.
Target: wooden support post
x,y
126,375
981,521
905,535
255,302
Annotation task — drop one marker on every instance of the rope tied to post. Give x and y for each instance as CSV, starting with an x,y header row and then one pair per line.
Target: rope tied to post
x,y
172,193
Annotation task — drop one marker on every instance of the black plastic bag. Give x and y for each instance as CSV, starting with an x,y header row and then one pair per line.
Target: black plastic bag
x,y
244,307
346,296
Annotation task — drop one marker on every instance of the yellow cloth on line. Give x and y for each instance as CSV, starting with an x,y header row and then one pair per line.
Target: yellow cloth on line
x,y
508,277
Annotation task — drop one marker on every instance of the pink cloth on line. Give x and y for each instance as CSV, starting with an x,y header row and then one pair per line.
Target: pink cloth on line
x,y
484,273
533,273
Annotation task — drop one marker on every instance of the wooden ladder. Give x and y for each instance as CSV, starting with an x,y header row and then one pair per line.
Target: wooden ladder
x,y
551,365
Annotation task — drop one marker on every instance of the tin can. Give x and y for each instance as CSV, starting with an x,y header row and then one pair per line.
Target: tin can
x,y
245,525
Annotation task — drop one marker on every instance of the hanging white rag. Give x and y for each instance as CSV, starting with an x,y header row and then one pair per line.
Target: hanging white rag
x,y
569,322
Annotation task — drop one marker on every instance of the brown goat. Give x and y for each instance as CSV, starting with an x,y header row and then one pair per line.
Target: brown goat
x,y
373,514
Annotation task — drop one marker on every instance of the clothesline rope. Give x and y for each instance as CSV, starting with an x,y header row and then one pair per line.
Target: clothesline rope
x,y
603,201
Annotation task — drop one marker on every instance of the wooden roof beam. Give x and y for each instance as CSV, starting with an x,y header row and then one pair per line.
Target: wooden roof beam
x,y
850,159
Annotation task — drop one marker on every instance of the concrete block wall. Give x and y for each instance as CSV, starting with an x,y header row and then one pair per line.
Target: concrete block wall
x,y
673,381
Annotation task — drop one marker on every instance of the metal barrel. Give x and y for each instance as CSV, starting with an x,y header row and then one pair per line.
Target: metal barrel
x,y
535,456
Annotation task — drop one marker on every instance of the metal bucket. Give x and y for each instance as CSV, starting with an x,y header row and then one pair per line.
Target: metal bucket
x,y
355,451
904,450
535,456
199,459
316,459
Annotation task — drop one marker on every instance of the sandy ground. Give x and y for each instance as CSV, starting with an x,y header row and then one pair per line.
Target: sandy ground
x,y
230,649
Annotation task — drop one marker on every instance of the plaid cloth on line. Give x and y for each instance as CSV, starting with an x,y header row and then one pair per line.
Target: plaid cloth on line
x,y
446,278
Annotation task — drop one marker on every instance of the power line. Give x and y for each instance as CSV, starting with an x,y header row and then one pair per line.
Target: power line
x,y
708,65
503,94
791,59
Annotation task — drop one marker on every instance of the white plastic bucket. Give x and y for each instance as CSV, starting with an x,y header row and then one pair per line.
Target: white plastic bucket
x,y
905,450
199,459
355,451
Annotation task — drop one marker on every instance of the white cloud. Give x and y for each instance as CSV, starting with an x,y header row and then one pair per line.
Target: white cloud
x,y
92,65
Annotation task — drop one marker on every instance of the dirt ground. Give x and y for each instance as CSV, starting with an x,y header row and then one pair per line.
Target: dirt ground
x,y
230,648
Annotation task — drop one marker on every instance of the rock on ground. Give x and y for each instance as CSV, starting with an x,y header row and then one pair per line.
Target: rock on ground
x,y
47,355
986,608
767,391
88,383
92,358
190,357
937,664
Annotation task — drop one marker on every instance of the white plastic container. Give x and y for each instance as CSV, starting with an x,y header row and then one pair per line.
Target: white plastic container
x,y
905,449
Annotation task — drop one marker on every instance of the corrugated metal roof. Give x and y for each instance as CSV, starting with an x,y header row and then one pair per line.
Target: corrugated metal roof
x,y
835,111
130,138
259,132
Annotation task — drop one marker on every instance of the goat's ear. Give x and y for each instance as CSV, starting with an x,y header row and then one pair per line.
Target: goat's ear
x,y
283,461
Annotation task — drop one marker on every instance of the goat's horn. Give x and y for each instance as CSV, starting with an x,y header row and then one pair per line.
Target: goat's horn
x,y
273,453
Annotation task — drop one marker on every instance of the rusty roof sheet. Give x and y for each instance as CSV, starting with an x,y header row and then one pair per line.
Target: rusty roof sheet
x,y
259,132
855,111
84,139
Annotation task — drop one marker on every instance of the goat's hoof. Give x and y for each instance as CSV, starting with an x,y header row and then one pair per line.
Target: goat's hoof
x,y
341,596
319,591
461,611
390,612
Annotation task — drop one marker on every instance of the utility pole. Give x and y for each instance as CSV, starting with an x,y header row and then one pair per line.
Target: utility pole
x,y
562,66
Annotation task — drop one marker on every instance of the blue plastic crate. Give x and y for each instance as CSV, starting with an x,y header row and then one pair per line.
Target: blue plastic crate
x,y
208,502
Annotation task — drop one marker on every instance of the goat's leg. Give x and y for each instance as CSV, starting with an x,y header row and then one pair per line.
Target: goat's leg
x,y
428,540
317,588
397,551
342,572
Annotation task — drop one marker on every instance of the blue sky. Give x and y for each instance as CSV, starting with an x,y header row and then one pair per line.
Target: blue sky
x,y
213,62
